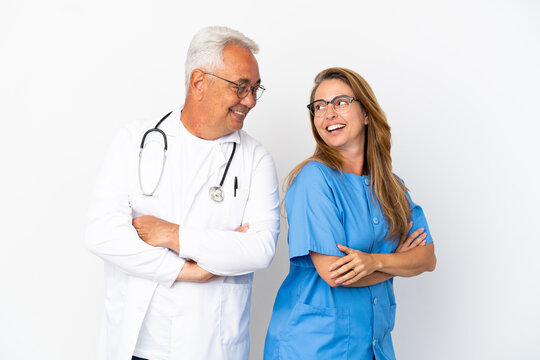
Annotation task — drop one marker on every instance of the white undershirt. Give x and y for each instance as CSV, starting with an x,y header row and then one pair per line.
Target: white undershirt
x,y
154,341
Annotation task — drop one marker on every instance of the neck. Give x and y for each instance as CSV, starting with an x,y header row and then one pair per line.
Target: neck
x,y
354,165
353,160
194,121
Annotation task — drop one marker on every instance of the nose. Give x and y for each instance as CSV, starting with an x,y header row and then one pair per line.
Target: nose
x,y
330,112
250,101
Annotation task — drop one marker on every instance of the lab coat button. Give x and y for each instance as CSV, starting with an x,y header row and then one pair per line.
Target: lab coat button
x,y
375,220
366,181
375,301
375,342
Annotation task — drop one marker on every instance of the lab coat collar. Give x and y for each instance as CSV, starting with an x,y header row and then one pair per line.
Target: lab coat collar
x,y
233,137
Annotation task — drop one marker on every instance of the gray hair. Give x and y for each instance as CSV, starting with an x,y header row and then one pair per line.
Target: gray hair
x,y
206,48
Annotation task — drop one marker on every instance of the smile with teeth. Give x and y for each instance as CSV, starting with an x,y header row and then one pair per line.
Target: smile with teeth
x,y
335,127
239,112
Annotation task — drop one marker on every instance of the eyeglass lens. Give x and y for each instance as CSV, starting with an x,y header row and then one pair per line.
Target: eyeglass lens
x,y
340,104
244,90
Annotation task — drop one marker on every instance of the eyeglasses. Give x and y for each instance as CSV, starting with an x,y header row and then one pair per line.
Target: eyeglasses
x,y
242,90
340,103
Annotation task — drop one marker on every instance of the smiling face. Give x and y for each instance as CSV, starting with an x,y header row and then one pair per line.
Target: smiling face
x,y
225,111
344,132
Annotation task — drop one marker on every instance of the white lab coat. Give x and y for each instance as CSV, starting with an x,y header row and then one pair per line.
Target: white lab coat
x,y
212,320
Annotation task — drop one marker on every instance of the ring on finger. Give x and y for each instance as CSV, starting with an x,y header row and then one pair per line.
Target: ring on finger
x,y
354,271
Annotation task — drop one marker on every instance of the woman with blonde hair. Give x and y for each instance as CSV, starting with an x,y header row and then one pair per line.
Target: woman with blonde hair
x,y
352,228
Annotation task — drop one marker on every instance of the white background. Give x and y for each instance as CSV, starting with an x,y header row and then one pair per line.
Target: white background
x,y
459,81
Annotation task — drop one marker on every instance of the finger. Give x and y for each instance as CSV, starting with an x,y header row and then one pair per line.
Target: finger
x,y
346,277
414,235
409,227
345,249
415,242
344,268
418,241
357,277
340,262
402,248
243,228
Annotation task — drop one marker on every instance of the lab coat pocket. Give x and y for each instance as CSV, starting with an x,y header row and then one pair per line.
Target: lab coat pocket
x,y
234,313
236,209
240,202
315,333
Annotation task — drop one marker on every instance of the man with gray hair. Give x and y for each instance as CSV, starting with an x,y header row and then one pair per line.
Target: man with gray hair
x,y
184,211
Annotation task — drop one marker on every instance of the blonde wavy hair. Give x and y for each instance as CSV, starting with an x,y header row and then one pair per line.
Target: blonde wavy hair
x,y
389,190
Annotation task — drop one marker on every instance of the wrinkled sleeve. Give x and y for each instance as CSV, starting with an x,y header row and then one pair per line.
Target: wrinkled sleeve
x,y
315,219
419,219
231,253
109,232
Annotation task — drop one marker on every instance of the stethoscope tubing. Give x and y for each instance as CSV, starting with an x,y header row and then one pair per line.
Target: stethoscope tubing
x,y
165,147
216,193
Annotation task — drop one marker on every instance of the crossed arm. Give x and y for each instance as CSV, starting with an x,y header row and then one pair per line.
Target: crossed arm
x,y
111,236
358,269
160,233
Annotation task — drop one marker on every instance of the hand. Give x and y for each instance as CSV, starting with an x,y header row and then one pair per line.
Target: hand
x,y
352,267
157,232
417,238
192,272
243,229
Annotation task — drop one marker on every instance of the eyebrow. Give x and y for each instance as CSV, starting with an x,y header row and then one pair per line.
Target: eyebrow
x,y
245,80
334,98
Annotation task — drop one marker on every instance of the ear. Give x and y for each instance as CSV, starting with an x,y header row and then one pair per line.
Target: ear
x,y
197,85
366,119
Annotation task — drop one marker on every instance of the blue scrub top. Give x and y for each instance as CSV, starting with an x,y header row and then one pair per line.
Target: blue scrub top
x,y
312,320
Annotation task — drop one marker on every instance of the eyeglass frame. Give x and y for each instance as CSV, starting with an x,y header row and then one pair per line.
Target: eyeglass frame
x,y
351,99
238,86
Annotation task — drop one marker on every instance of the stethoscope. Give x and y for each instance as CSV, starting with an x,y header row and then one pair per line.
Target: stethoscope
x,y
216,192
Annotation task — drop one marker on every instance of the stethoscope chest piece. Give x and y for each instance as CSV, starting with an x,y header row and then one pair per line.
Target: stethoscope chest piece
x,y
216,193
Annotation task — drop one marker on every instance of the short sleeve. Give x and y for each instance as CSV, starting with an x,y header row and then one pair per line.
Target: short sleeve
x,y
419,220
417,216
315,219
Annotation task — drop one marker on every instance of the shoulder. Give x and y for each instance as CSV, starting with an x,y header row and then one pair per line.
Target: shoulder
x,y
316,172
134,130
399,178
402,183
249,141
252,146
313,188
315,177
